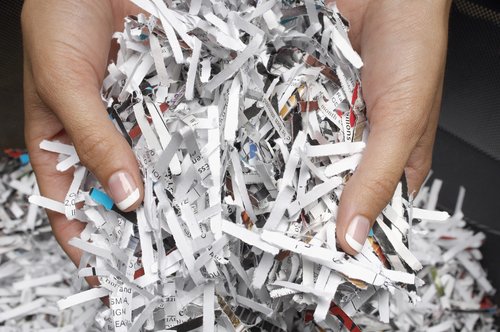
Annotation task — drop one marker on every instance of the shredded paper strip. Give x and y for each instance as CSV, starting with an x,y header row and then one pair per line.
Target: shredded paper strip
x,y
247,120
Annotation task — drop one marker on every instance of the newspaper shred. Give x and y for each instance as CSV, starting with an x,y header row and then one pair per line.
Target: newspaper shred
x,y
247,120
30,285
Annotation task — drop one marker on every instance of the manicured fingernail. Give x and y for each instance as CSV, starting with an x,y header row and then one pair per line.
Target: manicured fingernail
x,y
123,190
357,232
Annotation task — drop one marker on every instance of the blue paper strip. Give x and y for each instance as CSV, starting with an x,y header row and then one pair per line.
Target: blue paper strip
x,y
24,158
101,198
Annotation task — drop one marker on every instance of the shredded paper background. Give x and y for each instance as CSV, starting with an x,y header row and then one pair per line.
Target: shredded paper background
x,y
247,121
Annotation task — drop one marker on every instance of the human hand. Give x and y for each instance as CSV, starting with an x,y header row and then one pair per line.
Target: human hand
x,y
66,46
403,47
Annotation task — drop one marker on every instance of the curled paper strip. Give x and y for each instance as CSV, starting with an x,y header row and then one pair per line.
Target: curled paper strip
x,y
247,121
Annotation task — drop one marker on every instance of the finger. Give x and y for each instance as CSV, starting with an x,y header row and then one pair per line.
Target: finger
x,y
68,77
121,9
394,136
100,146
353,11
420,160
371,187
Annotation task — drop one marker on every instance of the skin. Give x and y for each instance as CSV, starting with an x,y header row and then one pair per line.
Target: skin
x,y
67,48
68,45
403,47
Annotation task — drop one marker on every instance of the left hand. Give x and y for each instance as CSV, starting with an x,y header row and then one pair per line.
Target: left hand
x,y
67,46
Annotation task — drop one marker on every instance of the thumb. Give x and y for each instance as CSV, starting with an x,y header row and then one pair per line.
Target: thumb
x,y
372,185
100,146
105,152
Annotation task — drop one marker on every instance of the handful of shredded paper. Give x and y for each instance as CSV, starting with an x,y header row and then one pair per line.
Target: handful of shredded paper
x,y
247,120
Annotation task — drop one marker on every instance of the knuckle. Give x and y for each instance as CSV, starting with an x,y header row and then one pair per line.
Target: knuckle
x,y
45,83
93,151
403,114
409,128
414,129
380,190
58,74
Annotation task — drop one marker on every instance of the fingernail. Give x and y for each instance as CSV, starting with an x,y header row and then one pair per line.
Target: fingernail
x,y
123,190
357,232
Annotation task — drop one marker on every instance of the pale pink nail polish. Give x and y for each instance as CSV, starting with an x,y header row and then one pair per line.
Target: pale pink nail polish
x,y
357,232
123,190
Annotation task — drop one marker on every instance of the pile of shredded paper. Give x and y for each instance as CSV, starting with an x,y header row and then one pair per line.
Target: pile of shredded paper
x,y
247,120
